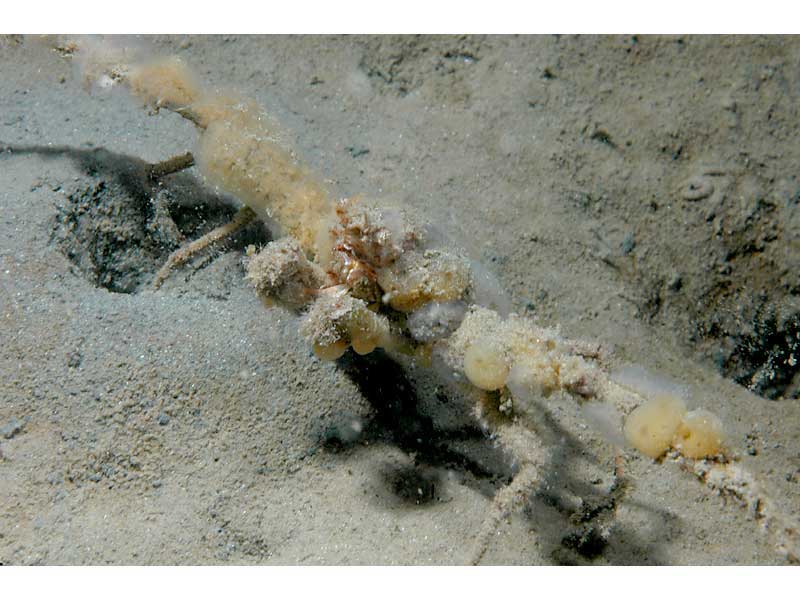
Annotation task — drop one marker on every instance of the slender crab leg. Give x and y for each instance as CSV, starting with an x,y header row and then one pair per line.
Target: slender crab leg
x,y
156,171
241,219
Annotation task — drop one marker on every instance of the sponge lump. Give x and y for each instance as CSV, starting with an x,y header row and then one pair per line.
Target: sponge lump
x,y
485,365
651,427
663,423
699,435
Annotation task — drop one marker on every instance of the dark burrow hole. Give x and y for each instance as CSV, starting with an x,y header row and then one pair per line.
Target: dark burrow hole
x,y
748,331
119,228
766,360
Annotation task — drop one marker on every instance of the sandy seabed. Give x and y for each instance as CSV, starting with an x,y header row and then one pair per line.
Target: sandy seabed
x,y
640,191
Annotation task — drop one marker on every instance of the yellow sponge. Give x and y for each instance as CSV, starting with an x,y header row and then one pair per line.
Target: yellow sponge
x,y
330,351
651,427
485,366
699,435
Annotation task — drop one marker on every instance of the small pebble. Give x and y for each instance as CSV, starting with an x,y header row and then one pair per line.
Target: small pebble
x,y
163,419
629,243
55,478
13,427
356,151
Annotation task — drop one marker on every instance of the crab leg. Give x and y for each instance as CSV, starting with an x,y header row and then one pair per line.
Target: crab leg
x,y
241,219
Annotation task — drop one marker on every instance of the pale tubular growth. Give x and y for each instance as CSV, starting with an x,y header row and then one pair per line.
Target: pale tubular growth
x,y
375,252
238,149
164,83
239,153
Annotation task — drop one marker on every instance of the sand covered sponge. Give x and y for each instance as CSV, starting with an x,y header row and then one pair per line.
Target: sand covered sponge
x,y
337,321
530,360
419,277
281,273
239,149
